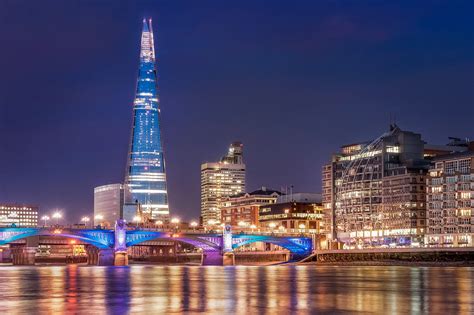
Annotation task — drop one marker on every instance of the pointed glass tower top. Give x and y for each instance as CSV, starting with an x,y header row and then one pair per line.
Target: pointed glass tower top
x,y
145,178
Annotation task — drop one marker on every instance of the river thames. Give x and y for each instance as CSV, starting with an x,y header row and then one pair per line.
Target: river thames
x,y
282,289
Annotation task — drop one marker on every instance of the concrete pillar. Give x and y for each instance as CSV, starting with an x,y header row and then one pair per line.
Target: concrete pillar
x,y
106,257
120,244
121,259
23,255
212,258
92,255
228,259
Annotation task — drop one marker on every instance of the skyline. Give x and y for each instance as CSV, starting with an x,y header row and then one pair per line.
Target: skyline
x,y
268,75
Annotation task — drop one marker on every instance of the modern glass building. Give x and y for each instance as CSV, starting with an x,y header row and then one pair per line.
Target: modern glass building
x,y
145,180
108,204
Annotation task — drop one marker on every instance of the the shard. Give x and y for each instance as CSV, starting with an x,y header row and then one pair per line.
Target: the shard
x,y
145,178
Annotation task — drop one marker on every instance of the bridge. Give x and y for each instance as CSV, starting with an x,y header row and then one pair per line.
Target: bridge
x,y
109,247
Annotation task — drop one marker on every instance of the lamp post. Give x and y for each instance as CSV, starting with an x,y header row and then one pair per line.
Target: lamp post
x,y
136,219
45,218
193,224
253,227
176,222
85,220
302,227
272,225
57,215
98,218
159,223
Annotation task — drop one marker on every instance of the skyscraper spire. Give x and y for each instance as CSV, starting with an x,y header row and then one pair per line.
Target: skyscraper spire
x,y
145,179
147,51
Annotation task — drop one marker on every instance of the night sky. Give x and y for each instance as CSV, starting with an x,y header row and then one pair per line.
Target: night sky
x,y
292,80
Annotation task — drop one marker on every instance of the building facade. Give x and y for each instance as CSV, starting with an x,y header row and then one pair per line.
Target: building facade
x,y
295,213
374,191
145,180
450,198
241,211
18,215
220,180
108,204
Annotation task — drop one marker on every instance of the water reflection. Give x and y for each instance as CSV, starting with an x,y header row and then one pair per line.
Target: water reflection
x,y
241,289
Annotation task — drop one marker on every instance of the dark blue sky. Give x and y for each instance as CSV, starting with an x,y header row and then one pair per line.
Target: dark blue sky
x,y
293,80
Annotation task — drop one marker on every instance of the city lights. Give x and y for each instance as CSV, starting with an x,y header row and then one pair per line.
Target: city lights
x,y
45,218
57,215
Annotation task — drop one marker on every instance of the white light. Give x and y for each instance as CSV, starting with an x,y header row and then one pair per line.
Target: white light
x,y
57,215
45,218
136,218
302,226
99,217
85,219
272,225
175,220
159,222
193,224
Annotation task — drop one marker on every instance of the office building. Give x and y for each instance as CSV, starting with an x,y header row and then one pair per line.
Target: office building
x,y
450,198
145,181
18,215
108,204
220,180
295,213
374,192
241,211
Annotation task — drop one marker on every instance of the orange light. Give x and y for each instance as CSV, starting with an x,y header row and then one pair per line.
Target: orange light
x,y
72,241
57,231
175,235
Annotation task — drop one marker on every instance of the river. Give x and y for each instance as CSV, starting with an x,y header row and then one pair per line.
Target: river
x,y
246,290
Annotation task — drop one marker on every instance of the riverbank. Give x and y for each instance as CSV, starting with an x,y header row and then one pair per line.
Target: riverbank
x,y
389,263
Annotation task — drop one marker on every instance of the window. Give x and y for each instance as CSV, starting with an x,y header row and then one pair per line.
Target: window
x,y
465,166
450,167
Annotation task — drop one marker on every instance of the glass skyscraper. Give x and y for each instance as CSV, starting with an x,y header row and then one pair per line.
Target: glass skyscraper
x,y
145,180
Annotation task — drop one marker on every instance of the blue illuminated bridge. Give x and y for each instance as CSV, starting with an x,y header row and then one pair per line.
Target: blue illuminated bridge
x,y
109,247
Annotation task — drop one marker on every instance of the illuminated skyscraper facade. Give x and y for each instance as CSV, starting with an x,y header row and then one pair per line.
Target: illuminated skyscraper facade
x,y
220,180
145,180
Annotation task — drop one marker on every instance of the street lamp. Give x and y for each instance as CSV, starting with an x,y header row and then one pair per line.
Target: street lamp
x,y
137,219
193,224
85,220
57,215
272,225
159,223
253,227
302,227
45,218
175,221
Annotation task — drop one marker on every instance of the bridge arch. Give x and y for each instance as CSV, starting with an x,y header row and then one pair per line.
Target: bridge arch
x,y
102,239
206,242
299,246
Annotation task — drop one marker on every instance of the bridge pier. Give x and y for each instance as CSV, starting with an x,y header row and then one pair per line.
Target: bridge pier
x,y
105,257
217,258
23,255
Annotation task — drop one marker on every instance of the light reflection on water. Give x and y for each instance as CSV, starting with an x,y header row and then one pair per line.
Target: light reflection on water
x,y
240,289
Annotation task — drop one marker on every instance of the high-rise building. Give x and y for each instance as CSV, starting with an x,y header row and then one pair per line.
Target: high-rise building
x,y
242,210
450,199
145,180
108,204
374,191
18,215
219,180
